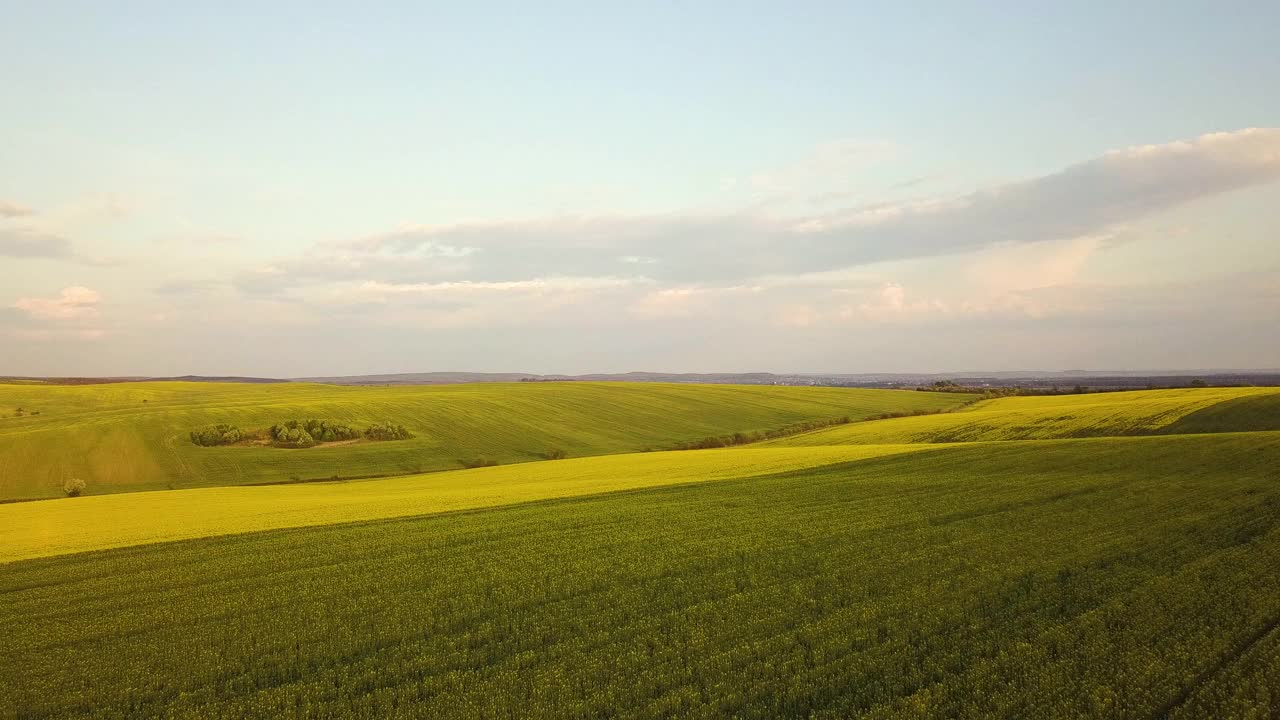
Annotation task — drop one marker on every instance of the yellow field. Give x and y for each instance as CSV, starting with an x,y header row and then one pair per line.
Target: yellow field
x,y
1143,412
69,525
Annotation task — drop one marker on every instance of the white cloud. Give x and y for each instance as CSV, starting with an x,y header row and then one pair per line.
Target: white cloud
x,y
1087,199
73,303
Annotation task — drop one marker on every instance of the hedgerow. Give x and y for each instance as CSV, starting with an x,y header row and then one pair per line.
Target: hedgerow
x,y
755,436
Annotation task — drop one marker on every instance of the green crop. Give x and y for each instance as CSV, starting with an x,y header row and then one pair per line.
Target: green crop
x,y
55,527
1097,578
1094,556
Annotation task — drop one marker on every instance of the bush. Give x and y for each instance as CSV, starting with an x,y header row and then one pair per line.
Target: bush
x,y
387,431
326,431
479,462
211,435
556,454
292,434
73,487
746,438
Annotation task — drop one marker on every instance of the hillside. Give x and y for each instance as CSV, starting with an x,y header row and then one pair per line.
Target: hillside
x,y
1025,572
134,436
1145,412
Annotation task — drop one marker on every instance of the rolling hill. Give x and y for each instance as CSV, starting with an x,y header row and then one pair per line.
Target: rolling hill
x,y
1143,412
1096,556
134,436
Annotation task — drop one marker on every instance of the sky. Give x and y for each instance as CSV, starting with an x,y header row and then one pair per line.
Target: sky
x,y
293,189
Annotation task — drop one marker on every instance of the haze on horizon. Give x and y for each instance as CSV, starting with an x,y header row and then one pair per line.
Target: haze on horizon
x,y
824,187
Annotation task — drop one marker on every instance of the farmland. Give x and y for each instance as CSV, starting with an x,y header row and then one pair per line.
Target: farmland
x,y
1097,556
135,436
1149,412
97,522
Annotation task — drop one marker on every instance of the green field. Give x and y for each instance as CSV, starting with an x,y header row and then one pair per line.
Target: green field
x,y
70,525
134,436
1097,556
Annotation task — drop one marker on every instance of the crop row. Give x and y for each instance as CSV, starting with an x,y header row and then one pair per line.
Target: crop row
x,y
1090,579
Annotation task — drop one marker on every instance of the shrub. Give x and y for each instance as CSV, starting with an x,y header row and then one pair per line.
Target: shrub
x,y
556,454
479,462
211,435
73,487
387,431
326,431
291,433
746,438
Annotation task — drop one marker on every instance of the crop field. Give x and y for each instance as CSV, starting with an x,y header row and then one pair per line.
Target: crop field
x,y
1146,412
70,525
1096,556
1130,577
135,436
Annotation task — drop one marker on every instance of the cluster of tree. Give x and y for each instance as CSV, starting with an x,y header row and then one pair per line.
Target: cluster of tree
x,y
307,433
19,412
746,438
221,434
297,433
387,431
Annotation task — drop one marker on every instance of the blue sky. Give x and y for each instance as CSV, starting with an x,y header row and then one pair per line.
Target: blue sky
x,y
728,186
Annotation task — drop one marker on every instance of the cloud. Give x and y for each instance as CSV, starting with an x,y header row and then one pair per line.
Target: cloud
x,y
859,285
26,242
10,209
72,303
1086,199
690,301
1011,268
536,285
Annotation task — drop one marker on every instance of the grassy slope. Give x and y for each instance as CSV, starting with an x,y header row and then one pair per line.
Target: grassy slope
x,y
70,525
133,436
1146,412
1260,411
1079,578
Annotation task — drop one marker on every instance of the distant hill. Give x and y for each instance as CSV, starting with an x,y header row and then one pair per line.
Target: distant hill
x,y
1093,379
13,380
446,378
1098,379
